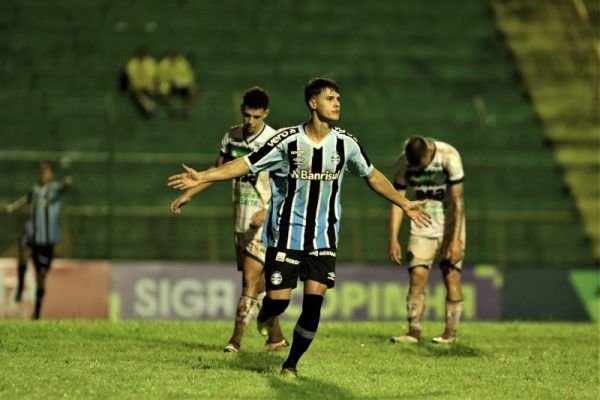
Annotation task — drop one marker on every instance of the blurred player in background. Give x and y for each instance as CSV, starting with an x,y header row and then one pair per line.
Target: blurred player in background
x,y
251,196
42,231
307,164
434,170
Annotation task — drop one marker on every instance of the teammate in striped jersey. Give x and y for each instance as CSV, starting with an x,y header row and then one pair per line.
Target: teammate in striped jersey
x,y
434,170
307,164
251,196
42,231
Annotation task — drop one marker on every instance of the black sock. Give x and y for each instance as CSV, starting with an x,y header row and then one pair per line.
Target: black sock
x,y
39,297
21,269
306,328
271,308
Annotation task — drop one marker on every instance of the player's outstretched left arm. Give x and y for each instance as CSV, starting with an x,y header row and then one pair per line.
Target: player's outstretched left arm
x,y
413,209
192,178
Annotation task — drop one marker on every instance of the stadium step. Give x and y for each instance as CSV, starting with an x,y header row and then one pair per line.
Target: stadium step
x,y
558,60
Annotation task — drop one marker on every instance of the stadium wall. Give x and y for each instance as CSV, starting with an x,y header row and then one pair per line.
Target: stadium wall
x,y
156,290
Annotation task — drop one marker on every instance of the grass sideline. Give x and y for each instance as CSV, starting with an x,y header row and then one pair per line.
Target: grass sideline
x,y
77,359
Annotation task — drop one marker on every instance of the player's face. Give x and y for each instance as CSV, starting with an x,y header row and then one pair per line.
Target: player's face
x,y
327,105
46,174
254,119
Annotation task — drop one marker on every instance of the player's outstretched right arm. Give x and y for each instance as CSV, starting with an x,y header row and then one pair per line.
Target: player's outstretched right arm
x,y
183,199
17,205
192,178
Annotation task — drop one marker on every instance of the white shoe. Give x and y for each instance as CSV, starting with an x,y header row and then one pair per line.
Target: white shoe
x,y
443,340
406,339
231,348
276,346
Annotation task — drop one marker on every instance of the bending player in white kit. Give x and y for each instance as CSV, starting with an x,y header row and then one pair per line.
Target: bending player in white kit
x,y
434,170
251,197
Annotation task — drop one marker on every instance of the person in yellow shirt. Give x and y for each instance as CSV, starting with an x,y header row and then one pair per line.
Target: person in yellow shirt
x,y
141,78
176,78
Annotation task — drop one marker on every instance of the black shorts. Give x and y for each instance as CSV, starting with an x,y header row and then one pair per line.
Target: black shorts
x,y
283,267
42,256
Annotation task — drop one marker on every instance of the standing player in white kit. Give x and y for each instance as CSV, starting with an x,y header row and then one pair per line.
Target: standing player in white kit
x,y
251,197
434,170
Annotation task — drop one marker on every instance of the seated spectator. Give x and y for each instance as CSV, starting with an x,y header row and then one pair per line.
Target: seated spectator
x,y
141,77
176,78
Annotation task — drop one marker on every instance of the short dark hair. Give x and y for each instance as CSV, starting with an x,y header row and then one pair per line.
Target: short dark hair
x,y
47,164
315,86
415,148
256,97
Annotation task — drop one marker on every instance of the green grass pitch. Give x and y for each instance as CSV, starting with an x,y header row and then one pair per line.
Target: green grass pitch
x,y
95,360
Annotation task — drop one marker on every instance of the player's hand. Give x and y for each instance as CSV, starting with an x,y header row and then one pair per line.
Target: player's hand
x,y
258,219
415,212
179,202
395,252
455,252
189,179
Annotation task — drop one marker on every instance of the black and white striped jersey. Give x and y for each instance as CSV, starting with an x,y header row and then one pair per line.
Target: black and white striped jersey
x,y
306,180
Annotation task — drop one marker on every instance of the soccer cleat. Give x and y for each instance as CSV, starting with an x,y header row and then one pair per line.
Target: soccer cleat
x,y
406,339
276,346
449,336
413,336
444,340
231,348
289,373
264,326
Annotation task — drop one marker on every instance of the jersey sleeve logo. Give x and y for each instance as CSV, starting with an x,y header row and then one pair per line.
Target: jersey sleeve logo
x,y
275,140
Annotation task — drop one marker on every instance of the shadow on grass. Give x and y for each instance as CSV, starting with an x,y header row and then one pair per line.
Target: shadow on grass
x,y
451,350
425,347
306,388
197,346
260,362
269,364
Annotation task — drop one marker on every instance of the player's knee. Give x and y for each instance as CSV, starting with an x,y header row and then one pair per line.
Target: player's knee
x,y
311,312
312,303
451,275
274,307
418,276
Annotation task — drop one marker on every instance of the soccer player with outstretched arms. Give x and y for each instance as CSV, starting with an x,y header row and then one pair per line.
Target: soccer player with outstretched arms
x,y
42,231
307,164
